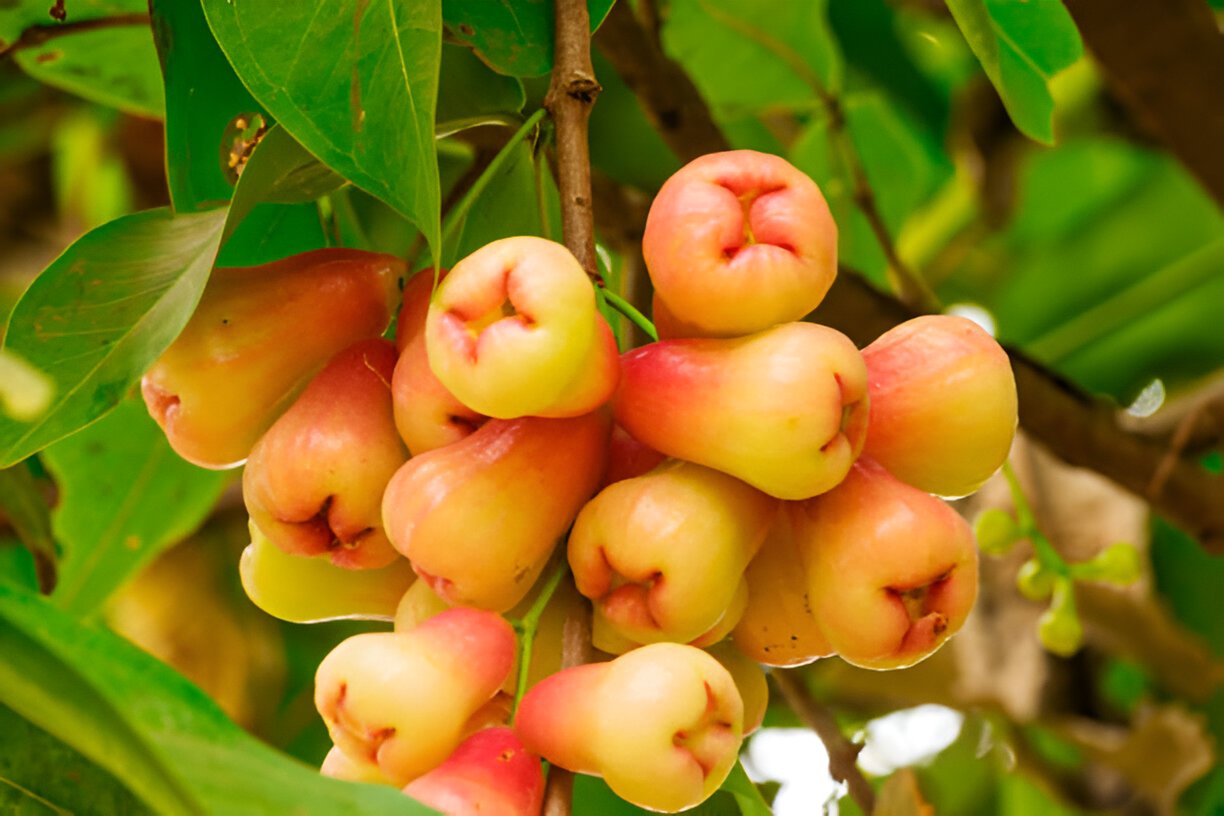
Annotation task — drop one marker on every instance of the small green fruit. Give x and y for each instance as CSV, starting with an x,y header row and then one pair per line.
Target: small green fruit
x,y
996,531
1034,581
1059,628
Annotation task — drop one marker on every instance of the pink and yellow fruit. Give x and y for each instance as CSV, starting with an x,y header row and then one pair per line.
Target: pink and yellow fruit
x,y
427,415
943,404
784,410
513,331
739,241
339,765
891,570
749,678
778,628
402,700
255,339
489,774
634,547
628,457
609,638
662,724
313,483
308,590
479,518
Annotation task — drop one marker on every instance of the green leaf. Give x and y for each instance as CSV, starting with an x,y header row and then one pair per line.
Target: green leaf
x,y
102,313
515,37
204,98
1021,47
470,93
41,775
748,55
746,793
18,15
507,206
624,144
354,82
156,732
25,392
115,66
124,497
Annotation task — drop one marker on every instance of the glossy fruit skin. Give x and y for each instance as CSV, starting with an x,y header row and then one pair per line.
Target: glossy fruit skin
x,y
891,570
255,339
662,724
301,589
778,627
402,700
749,678
427,415
634,547
313,483
943,404
339,765
627,457
513,331
479,518
739,241
785,410
489,774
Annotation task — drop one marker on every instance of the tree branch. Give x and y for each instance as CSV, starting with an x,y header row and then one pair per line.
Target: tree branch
x,y
843,754
571,94
1074,426
1165,60
36,35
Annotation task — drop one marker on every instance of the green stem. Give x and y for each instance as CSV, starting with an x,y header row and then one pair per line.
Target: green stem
x,y
1044,550
527,625
454,218
630,311
23,503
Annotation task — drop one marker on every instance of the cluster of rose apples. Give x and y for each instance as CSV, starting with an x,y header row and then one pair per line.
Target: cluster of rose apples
x,y
748,490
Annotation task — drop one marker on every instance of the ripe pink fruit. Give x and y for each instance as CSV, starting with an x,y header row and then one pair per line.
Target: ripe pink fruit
x,y
479,518
892,571
661,724
513,331
313,483
402,700
740,241
785,410
489,774
257,335
943,404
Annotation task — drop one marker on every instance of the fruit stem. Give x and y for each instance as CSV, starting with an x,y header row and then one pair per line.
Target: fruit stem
x,y
628,310
1047,555
526,627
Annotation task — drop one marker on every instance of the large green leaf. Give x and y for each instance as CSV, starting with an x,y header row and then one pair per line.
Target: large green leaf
x,y
470,93
156,732
1021,47
41,775
18,15
515,37
113,66
103,312
354,82
748,55
124,496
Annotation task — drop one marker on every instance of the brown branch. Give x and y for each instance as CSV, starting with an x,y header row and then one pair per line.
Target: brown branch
x,y
571,94
1165,60
843,754
37,35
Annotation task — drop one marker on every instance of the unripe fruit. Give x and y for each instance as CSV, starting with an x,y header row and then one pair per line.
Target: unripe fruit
x,y
634,546
1059,627
778,628
943,404
313,483
662,724
489,774
402,700
996,531
256,337
309,590
892,571
1116,564
1034,581
479,518
739,241
784,410
513,331
427,415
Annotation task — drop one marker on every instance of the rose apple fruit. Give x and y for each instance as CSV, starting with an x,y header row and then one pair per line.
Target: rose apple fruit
x,y
785,410
943,404
256,337
739,241
314,482
513,331
891,570
489,774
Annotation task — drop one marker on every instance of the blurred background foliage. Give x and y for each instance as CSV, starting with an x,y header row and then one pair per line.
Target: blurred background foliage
x,y
1005,167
